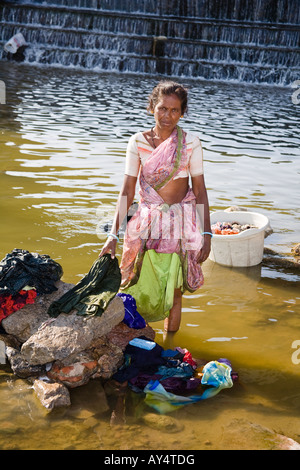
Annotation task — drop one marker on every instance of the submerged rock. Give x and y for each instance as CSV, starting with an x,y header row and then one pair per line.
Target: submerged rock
x,y
243,434
296,250
52,394
163,423
272,258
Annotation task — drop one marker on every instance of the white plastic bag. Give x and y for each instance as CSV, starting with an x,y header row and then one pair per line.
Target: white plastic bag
x,y
14,43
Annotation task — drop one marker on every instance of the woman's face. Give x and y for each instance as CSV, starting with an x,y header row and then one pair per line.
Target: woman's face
x,y
167,112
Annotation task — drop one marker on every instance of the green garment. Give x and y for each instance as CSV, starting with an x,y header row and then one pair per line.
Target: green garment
x,y
160,275
93,293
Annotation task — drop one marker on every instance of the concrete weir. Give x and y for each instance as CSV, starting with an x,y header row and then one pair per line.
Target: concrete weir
x,y
253,42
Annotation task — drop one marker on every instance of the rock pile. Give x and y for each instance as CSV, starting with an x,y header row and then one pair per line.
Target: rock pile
x,y
58,354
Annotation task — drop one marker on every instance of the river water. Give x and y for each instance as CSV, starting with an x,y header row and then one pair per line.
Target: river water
x,y
62,150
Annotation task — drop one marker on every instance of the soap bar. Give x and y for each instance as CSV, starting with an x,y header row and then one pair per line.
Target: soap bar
x,y
142,343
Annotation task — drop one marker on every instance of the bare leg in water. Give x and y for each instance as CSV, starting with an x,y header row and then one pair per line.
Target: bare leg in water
x,y
172,323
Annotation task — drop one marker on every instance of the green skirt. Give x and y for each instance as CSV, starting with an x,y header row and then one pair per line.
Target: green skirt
x,y
160,275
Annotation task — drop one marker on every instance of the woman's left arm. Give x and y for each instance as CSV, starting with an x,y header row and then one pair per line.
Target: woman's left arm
x,y
199,189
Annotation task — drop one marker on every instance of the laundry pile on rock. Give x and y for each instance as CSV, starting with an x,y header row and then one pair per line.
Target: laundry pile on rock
x,y
23,276
230,228
11,303
60,336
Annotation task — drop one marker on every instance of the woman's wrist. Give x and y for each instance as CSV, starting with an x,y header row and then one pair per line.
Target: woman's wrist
x,y
207,234
113,236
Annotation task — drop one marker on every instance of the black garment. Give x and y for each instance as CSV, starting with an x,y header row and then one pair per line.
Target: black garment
x,y
21,268
93,293
138,361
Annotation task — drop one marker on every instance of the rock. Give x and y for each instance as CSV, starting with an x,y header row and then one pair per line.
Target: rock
x,y
272,258
52,395
70,334
25,322
103,358
10,341
121,334
296,250
268,231
75,371
110,361
81,400
68,351
286,443
243,434
235,209
162,423
20,366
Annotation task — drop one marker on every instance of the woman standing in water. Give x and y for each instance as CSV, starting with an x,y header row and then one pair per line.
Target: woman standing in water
x,y
169,236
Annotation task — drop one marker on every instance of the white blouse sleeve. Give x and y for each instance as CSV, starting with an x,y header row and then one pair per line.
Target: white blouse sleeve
x,y
196,160
132,163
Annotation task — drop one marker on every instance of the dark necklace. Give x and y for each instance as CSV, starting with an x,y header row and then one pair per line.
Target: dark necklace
x,y
152,137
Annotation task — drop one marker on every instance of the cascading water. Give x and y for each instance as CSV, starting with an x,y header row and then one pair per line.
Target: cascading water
x,y
255,42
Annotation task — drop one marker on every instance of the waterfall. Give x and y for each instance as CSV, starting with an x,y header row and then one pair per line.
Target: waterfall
x,y
239,40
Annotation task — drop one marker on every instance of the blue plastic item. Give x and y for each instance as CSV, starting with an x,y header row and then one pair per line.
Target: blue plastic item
x,y
142,343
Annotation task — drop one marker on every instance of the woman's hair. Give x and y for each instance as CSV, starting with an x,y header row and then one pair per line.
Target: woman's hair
x,y
168,88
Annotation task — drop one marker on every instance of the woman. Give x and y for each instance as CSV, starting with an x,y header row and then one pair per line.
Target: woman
x,y
169,235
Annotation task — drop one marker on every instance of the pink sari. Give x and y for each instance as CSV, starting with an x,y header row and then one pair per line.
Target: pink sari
x,y
158,226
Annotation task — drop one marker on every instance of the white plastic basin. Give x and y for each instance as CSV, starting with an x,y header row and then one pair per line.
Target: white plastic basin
x,y
243,249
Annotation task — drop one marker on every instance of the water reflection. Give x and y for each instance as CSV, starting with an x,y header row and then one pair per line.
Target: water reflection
x,y
63,140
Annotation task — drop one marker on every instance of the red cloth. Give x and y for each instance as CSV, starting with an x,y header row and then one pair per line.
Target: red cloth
x,y
11,303
189,359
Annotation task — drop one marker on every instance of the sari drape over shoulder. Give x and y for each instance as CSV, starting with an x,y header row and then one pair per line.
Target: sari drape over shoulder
x,y
161,227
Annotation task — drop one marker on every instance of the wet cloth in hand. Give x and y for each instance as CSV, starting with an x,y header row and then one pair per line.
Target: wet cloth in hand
x,y
21,268
93,293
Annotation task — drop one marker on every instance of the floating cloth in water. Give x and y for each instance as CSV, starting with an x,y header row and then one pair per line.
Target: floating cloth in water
x,y
215,374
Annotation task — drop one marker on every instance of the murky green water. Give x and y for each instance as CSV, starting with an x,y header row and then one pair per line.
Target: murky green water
x,y
62,149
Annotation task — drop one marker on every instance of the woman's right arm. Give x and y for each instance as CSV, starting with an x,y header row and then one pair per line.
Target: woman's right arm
x,y
125,200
